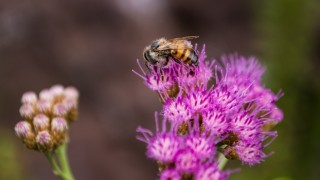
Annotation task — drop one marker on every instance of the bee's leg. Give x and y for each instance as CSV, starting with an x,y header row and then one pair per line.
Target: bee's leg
x,y
166,61
191,69
176,60
156,68
151,67
161,73
147,65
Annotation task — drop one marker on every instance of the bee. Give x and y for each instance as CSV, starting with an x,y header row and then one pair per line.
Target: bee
x,y
179,49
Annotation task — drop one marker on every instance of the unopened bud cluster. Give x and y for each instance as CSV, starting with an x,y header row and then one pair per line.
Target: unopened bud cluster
x,y
46,118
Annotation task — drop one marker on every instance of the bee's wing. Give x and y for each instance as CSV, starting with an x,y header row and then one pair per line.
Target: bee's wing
x,y
168,46
183,38
175,44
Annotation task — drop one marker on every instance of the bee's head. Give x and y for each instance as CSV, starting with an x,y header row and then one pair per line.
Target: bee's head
x,y
148,55
155,44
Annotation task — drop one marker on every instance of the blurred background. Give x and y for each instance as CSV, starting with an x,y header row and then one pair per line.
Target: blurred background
x,y
93,45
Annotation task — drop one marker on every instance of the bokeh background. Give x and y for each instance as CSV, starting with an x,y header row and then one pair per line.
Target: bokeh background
x,y
94,44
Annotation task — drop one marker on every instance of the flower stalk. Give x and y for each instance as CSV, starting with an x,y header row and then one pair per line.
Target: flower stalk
x,y
222,161
63,171
62,156
56,169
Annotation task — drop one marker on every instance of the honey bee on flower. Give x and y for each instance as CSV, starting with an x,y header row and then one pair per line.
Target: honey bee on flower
x,y
179,49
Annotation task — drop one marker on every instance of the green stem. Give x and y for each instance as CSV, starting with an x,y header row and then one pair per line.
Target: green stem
x,y
56,169
222,161
63,159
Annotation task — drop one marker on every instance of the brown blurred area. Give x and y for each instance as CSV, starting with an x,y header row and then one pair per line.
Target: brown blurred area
x,y
93,45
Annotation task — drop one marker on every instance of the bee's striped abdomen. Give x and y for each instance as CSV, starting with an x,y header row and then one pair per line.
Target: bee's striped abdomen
x,y
180,54
193,57
187,56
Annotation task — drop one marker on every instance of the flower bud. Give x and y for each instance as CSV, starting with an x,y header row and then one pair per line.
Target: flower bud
x,y
44,141
60,109
27,111
23,130
44,106
29,98
72,108
41,122
46,95
71,93
47,117
70,104
59,125
57,90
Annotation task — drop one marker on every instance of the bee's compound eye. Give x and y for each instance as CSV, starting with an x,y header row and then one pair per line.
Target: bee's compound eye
x,y
155,45
146,56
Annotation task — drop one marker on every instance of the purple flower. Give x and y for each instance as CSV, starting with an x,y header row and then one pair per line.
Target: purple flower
x,y
276,114
216,121
234,115
211,171
163,147
170,174
181,155
203,146
240,70
225,99
177,110
159,80
199,100
245,125
250,152
186,161
204,70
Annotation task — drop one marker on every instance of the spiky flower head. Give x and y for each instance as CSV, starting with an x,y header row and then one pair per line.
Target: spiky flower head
x,y
47,117
177,110
178,155
171,174
211,171
212,109
187,161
